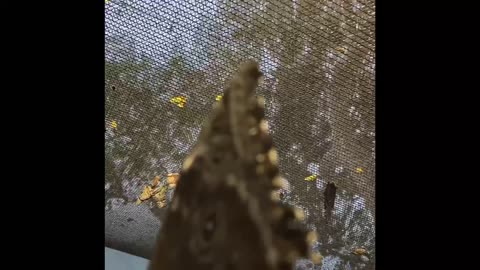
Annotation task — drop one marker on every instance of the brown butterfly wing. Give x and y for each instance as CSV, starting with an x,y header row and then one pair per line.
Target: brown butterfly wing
x,y
222,215
329,200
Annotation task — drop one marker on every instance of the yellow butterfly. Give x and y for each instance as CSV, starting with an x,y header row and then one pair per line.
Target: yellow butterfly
x,y
160,197
360,251
179,101
342,50
172,179
146,194
156,181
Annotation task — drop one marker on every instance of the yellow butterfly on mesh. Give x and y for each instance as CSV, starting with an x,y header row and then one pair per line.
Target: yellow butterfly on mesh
x,y
156,181
219,97
342,50
160,197
114,124
180,101
360,251
146,194
172,179
311,178
359,170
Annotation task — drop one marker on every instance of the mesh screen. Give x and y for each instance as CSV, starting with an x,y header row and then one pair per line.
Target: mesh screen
x,y
318,58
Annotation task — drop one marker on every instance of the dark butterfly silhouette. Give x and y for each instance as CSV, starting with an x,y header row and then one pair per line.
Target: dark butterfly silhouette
x,y
329,200
224,215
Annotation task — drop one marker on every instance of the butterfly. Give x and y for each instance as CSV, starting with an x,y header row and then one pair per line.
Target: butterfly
x,y
223,215
329,200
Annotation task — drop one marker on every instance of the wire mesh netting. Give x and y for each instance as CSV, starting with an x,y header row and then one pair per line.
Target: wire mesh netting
x,y
318,58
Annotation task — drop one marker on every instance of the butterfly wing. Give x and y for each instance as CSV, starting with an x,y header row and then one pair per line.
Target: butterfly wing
x,y
223,214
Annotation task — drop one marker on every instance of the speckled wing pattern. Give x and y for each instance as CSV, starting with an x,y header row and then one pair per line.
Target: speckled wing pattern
x,y
224,214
